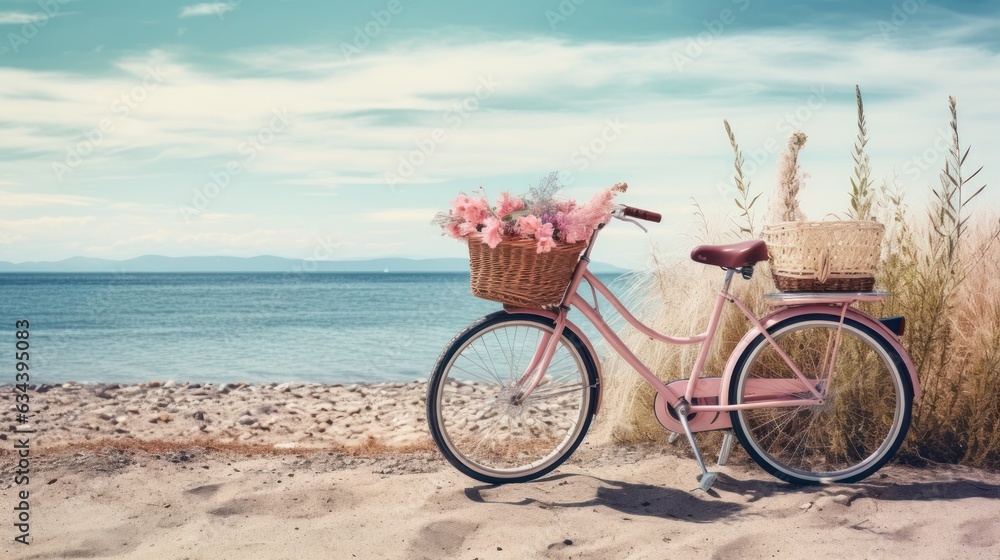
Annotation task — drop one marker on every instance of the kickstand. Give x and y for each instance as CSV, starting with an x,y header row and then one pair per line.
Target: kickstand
x,y
707,478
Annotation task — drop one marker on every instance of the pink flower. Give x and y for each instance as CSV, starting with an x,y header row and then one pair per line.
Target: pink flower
x,y
580,222
528,225
491,232
544,236
567,205
460,203
452,230
552,220
507,204
571,230
476,211
466,228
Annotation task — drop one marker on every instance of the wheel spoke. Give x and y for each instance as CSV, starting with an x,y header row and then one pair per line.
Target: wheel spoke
x,y
483,429
861,420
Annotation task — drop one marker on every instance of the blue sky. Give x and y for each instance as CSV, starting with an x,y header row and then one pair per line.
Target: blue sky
x,y
336,129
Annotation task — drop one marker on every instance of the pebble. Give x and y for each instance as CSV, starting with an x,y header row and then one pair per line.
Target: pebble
x,y
843,499
284,415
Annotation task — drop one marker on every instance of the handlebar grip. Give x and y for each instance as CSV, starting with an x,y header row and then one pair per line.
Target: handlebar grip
x,y
642,214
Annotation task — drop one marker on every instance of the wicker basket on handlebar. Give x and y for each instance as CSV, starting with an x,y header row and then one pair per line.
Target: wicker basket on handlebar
x,y
516,274
824,256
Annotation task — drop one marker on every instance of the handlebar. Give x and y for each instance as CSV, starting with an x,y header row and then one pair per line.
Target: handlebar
x,y
641,214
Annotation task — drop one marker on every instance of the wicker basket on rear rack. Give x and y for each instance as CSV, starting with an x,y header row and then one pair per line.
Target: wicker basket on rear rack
x,y
824,256
517,275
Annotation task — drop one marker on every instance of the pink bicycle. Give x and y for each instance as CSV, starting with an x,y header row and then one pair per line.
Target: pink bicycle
x,y
816,391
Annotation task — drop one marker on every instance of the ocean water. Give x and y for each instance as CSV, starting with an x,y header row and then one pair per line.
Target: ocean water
x,y
232,327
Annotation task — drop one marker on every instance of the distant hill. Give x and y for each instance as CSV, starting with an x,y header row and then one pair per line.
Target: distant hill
x,y
156,263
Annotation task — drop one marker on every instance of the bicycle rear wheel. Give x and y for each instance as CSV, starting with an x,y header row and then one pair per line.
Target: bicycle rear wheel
x,y
471,411
858,428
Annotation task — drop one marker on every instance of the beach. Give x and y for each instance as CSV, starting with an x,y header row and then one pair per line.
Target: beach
x,y
173,470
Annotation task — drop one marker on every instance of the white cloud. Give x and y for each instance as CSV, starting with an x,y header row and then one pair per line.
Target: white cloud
x,y
47,224
403,215
43,199
21,18
208,9
351,123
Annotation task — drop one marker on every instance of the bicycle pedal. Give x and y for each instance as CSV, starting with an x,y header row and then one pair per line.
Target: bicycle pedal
x,y
707,480
726,448
673,437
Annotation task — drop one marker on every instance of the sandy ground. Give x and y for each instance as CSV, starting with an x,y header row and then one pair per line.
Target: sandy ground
x,y
607,502
181,471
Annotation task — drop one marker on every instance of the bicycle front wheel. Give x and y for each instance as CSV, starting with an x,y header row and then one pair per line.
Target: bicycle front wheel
x,y
862,421
472,411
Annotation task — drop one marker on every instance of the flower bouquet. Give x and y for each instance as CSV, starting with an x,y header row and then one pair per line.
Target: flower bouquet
x,y
523,249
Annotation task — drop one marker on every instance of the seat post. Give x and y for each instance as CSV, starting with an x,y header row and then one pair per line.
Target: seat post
x,y
728,280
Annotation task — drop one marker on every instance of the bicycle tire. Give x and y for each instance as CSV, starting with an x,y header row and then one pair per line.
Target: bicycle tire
x,y
468,400
862,423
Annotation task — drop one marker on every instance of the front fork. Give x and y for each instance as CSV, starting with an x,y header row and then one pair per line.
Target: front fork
x,y
540,361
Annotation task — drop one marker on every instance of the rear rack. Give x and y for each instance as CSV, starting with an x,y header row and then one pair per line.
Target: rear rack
x,y
784,299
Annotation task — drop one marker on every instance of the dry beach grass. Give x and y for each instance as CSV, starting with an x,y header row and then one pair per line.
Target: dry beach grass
x,y
942,268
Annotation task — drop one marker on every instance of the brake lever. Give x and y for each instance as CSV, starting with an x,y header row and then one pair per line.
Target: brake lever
x,y
636,222
619,212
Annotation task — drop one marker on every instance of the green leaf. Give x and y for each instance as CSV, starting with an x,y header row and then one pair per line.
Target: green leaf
x,y
952,179
969,178
517,214
968,200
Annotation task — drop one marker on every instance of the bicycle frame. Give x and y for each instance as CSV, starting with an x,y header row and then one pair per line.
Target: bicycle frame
x,y
769,394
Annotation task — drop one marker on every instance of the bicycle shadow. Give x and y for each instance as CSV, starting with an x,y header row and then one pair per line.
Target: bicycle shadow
x,y
704,507
890,489
625,497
